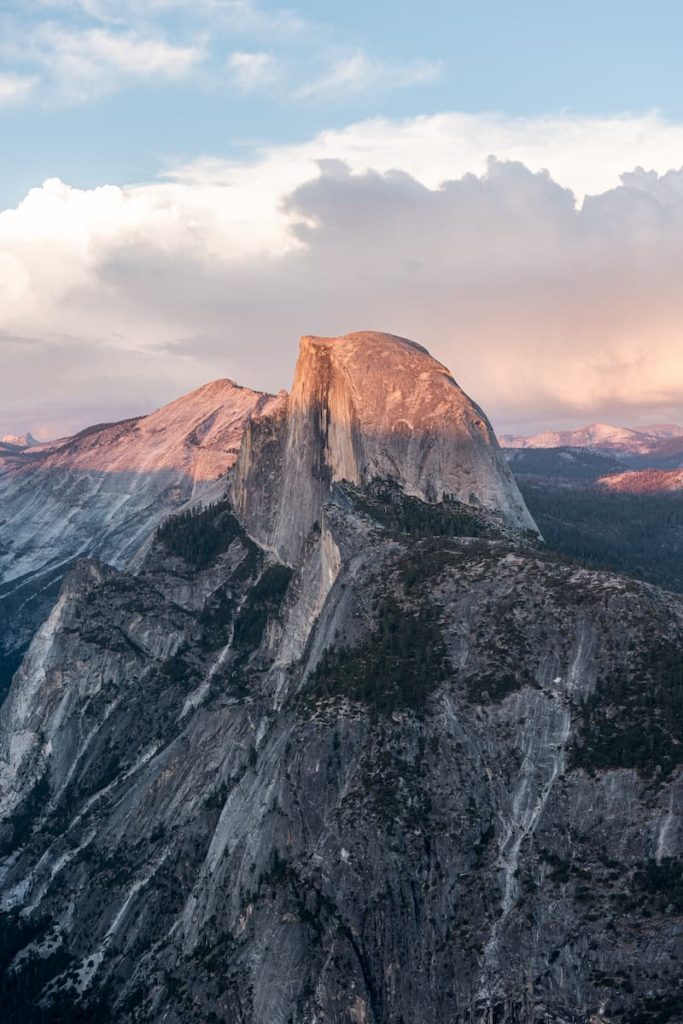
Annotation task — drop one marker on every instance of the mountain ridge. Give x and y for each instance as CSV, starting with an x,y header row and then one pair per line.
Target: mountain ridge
x,y
627,440
347,751
103,491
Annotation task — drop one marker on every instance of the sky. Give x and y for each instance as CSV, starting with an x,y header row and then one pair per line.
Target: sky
x,y
188,187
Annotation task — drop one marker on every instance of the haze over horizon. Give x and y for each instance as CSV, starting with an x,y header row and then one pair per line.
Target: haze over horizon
x,y
191,187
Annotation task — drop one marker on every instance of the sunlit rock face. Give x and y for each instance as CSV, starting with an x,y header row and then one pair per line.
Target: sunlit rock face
x,y
104,491
13,441
425,772
645,481
367,406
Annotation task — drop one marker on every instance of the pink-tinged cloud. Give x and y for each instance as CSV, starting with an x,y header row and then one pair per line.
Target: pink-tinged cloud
x,y
547,311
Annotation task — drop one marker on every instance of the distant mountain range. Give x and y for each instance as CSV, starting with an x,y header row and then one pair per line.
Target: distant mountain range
x,y
627,440
634,460
605,504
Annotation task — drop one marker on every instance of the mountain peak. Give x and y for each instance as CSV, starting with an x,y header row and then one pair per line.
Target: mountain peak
x,y
369,340
19,440
366,406
105,489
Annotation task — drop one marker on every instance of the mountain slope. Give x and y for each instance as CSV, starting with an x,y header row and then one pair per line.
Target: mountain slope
x,y
589,507
640,534
103,492
424,772
569,465
644,481
407,810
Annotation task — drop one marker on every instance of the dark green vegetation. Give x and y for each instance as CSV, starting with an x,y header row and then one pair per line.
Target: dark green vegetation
x,y
262,601
398,666
657,887
637,534
216,619
17,828
201,534
634,718
400,513
562,463
21,989
24,604
502,678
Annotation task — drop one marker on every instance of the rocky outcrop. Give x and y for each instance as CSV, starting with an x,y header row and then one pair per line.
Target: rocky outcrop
x,y
104,491
367,406
644,481
449,792
424,772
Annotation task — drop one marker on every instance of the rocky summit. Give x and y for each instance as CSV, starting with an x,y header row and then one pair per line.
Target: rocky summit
x,y
103,492
347,745
364,407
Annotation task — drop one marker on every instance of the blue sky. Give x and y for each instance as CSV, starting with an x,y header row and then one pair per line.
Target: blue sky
x,y
186,186
88,114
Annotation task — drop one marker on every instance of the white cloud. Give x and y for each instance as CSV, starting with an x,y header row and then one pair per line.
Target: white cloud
x,y
15,87
76,64
349,76
547,310
360,73
240,16
276,24
252,71
95,61
92,47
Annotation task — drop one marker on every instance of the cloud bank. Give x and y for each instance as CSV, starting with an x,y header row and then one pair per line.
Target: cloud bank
x,y
549,310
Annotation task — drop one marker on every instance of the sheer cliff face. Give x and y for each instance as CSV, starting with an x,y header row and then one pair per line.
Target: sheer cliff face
x,y
367,406
423,773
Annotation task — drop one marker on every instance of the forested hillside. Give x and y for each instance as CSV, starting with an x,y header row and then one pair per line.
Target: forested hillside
x,y
637,534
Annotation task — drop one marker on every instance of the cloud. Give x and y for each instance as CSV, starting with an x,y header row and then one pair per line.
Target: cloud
x,y
15,87
348,77
360,73
95,61
276,24
76,366
586,154
548,310
239,16
252,71
92,47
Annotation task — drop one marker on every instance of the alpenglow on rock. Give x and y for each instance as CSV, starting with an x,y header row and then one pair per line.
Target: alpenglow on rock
x,y
367,406
426,773
102,493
